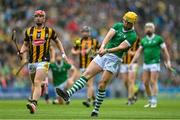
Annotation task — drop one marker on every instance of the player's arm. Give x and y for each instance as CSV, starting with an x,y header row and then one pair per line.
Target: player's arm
x,y
167,56
131,52
53,54
75,51
76,47
125,44
24,48
108,36
23,52
59,46
136,56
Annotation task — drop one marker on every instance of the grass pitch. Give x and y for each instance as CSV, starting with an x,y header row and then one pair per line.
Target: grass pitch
x,y
111,109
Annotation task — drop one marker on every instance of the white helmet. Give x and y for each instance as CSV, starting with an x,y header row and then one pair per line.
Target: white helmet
x,y
150,24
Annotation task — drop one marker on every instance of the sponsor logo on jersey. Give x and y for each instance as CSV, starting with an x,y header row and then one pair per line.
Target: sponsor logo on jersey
x,y
38,42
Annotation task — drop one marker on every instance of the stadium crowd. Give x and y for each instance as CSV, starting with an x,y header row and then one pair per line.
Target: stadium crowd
x,y
68,16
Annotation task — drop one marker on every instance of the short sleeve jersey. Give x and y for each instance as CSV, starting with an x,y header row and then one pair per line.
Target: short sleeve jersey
x,y
59,72
121,35
152,49
83,44
39,43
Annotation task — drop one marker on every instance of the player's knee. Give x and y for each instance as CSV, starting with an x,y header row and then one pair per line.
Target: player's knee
x,y
102,84
130,82
153,82
37,84
125,82
146,83
88,85
70,83
87,74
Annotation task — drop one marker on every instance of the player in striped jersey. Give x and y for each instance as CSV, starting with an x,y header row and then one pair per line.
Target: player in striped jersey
x,y
37,43
85,47
129,75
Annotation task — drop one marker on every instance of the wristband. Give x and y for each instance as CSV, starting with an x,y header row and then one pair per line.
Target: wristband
x,y
63,55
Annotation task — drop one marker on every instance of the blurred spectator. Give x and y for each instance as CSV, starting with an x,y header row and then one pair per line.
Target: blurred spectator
x,y
67,16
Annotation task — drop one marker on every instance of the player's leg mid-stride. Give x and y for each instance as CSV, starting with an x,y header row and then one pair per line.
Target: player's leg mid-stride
x,y
107,60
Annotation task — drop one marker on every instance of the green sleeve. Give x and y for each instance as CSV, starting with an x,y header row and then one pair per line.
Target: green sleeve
x,y
116,26
131,39
68,66
141,42
50,65
161,40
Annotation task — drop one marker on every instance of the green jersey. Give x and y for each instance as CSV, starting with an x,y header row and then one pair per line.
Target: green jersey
x,y
59,72
152,48
121,35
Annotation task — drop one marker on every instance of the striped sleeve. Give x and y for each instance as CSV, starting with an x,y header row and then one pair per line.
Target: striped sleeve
x,y
26,36
53,35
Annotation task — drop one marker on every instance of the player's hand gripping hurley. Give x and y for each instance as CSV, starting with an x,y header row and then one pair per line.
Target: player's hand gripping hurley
x,y
14,40
19,54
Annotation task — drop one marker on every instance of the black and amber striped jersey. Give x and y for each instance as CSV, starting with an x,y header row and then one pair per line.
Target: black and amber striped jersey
x,y
39,43
87,47
128,57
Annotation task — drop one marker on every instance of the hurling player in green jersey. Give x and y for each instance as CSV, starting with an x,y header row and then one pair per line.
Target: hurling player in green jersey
x,y
117,41
151,46
60,74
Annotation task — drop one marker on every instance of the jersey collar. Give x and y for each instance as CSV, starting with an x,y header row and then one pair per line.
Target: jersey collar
x,y
39,28
61,64
150,38
127,30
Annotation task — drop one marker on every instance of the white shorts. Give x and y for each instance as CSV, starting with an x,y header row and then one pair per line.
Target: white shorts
x,y
124,68
32,67
109,62
151,67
